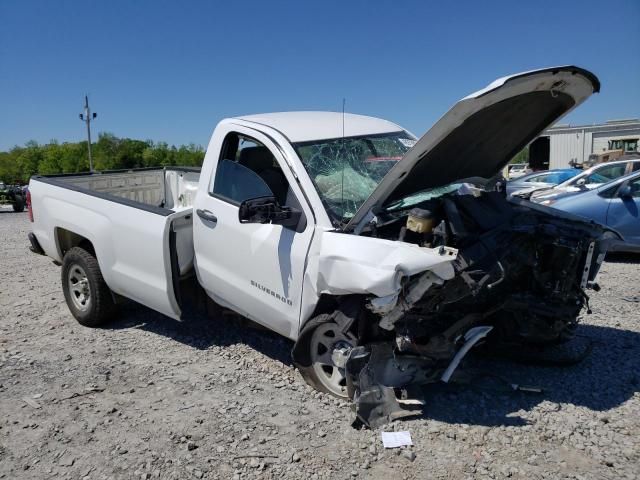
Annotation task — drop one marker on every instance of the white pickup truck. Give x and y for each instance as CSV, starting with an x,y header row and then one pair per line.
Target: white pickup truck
x,y
384,257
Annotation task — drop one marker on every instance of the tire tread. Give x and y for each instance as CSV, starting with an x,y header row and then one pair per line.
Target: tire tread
x,y
18,204
103,307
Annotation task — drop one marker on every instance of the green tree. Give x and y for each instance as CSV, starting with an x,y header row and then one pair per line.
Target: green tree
x,y
109,153
157,155
9,169
75,157
522,156
29,159
129,153
105,151
51,159
150,157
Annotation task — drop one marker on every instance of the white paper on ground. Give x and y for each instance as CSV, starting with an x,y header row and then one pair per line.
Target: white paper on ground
x,y
396,439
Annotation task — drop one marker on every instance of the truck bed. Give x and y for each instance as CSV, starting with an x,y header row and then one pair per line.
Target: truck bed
x,y
138,222
170,188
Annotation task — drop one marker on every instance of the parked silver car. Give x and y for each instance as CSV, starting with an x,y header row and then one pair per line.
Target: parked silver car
x,y
538,180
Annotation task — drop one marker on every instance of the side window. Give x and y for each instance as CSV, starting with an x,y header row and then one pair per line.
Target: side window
x,y
635,187
609,192
247,169
613,191
606,174
539,178
236,182
635,166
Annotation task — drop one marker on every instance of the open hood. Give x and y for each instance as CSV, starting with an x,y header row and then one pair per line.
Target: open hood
x,y
482,132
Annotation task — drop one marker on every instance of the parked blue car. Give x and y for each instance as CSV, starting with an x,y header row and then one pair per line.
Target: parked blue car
x,y
614,204
591,178
537,180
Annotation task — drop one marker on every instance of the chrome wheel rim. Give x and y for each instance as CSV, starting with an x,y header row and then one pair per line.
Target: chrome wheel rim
x,y
327,345
79,288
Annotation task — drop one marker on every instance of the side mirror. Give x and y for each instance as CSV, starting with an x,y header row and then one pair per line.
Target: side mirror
x,y
581,183
625,192
267,210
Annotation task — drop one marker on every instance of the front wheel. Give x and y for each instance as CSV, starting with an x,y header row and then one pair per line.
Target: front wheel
x,y
88,296
327,349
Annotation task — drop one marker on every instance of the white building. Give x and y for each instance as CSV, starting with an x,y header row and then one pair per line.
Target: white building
x,y
564,143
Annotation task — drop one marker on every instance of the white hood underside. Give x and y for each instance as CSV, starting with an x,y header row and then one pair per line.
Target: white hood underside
x,y
482,132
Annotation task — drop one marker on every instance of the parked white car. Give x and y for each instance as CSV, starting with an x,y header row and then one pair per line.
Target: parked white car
x,y
346,234
518,170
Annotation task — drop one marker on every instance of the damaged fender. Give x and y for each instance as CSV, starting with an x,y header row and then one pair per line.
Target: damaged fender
x,y
342,264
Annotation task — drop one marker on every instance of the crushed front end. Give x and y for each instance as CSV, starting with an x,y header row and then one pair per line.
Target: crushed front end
x,y
521,276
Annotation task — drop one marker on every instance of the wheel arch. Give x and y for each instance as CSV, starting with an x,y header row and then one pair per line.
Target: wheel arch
x,y
66,240
345,310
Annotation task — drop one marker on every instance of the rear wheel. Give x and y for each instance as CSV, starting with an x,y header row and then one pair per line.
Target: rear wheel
x,y
18,204
88,296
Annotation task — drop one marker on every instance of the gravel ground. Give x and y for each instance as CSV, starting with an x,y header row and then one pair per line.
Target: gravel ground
x,y
147,397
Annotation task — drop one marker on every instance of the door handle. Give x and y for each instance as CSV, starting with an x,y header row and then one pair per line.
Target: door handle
x,y
207,215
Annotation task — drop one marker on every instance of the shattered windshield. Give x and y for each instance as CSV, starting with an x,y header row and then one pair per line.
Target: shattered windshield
x,y
346,171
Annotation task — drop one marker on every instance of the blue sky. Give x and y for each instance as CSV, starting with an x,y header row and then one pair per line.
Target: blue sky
x,y
170,70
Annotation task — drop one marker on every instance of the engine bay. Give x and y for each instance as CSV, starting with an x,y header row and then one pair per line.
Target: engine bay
x,y
521,275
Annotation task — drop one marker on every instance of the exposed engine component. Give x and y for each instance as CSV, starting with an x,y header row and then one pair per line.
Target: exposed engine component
x,y
524,268
520,275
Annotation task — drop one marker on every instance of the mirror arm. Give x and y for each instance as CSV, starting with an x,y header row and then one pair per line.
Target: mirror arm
x,y
288,218
267,210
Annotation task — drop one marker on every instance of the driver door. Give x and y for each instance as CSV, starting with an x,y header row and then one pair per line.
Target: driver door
x,y
254,269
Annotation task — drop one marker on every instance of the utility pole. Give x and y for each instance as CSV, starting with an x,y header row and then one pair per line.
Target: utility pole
x,y
87,117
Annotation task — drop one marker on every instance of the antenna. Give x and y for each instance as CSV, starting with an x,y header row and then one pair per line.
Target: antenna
x,y
87,117
344,101
344,160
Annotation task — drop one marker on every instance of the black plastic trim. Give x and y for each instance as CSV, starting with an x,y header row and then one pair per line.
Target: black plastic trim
x,y
35,245
175,266
222,198
121,170
183,169
353,137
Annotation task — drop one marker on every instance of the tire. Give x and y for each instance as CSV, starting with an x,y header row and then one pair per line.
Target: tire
x,y
318,369
18,204
88,296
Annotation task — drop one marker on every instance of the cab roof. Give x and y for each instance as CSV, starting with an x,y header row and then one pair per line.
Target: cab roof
x,y
309,126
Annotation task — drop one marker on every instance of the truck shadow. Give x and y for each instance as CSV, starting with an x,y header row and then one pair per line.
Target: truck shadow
x,y
620,257
605,379
200,331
